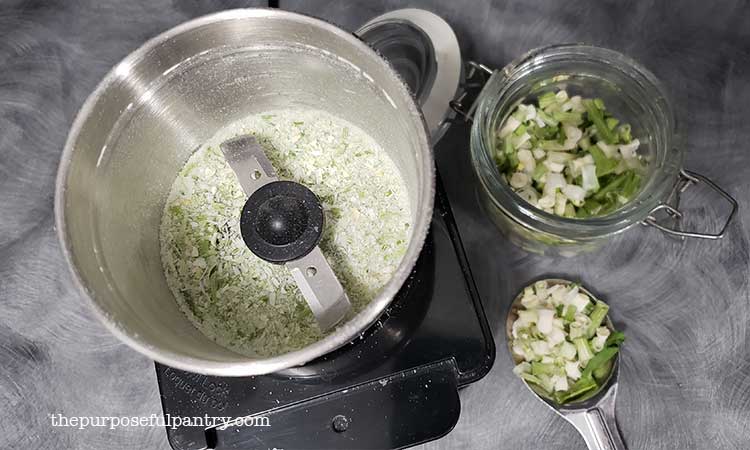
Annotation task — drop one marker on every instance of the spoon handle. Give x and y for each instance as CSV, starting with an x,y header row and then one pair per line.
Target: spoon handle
x,y
598,425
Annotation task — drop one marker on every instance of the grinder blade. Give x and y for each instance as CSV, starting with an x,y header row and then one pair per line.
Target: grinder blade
x,y
281,223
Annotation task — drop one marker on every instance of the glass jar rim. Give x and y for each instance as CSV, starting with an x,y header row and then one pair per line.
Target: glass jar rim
x,y
503,196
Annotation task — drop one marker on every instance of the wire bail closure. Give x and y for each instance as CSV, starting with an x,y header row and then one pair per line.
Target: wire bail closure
x,y
687,179
477,75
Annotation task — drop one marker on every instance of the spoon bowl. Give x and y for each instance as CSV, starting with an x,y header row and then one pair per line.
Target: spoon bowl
x,y
593,415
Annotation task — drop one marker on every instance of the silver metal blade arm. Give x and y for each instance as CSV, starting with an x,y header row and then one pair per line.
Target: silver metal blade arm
x,y
316,280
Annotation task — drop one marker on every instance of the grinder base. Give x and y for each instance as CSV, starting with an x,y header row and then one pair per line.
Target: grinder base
x,y
394,387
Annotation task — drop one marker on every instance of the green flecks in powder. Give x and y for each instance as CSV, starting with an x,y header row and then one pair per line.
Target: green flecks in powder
x,y
254,307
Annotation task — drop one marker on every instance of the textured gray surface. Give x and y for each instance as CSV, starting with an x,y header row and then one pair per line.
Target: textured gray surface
x,y
685,380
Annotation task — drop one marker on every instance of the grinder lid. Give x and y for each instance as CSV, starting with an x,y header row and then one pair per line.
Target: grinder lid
x,y
423,49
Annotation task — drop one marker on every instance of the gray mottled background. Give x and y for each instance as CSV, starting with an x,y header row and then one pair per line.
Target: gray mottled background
x,y
686,366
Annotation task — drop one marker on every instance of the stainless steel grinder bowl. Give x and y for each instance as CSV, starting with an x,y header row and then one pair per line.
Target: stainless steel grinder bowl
x,y
143,121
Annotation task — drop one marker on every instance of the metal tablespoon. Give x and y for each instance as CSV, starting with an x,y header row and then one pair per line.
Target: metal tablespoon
x,y
593,416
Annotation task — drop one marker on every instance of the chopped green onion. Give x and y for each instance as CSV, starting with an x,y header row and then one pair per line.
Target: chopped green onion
x,y
569,314
519,115
583,348
592,207
580,387
549,335
597,316
537,381
615,339
510,152
583,213
603,164
561,96
546,99
596,116
617,182
548,132
538,368
574,118
547,119
551,145
589,181
602,372
590,156
539,171
598,360
624,133
631,185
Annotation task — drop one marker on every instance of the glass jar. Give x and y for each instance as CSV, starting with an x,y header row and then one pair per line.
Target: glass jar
x,y
633,94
